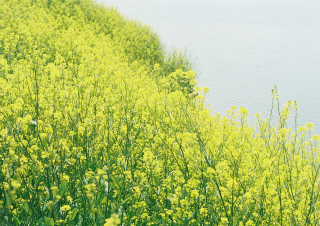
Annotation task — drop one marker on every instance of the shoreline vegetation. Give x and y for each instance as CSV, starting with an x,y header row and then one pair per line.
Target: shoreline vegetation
x,y
99,126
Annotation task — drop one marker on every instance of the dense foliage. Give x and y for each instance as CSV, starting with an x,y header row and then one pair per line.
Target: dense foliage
x,y
99,127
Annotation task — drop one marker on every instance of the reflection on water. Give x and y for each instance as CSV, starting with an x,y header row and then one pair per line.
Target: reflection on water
x,y
244,48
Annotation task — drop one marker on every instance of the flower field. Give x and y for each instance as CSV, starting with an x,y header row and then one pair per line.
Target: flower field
x,y
100,126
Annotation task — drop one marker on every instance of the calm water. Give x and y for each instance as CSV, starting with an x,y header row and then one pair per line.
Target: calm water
x,y
242,48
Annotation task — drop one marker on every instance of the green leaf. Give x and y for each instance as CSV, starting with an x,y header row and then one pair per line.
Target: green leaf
x,y
116,181
99,211
80,220
73,214
32,101
16,221
26,208
104,200
45,144
33,168
46,221
63,188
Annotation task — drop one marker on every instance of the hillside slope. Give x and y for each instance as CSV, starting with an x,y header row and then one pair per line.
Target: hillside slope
x,y
99,127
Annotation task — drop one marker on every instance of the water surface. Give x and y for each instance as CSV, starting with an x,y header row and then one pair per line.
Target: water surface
x,y
243,48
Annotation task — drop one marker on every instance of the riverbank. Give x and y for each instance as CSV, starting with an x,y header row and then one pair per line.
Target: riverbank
x,y
99,127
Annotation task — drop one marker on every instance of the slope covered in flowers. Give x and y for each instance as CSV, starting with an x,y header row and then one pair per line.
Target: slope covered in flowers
x,y
99,127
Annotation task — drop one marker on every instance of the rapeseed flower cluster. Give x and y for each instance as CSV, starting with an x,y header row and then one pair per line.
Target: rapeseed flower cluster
x,y
98,126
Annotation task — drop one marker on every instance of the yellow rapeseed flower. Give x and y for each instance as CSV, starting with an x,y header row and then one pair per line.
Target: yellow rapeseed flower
x,y
65,208
100,172
15,184
112,221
